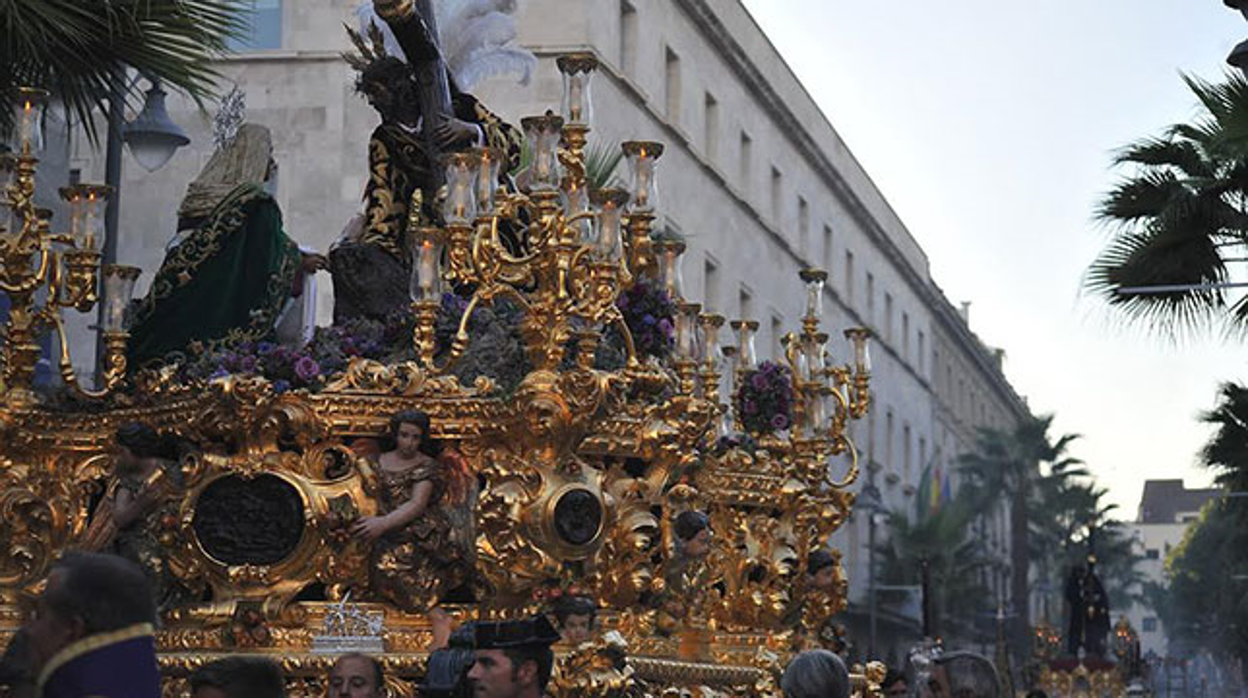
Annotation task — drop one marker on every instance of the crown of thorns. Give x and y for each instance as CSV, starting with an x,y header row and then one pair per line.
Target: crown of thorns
x,y
370,50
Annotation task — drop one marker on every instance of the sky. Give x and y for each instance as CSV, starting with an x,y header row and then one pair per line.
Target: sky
x,y
990,126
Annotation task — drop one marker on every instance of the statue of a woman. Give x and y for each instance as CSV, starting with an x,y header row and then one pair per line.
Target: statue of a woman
x,y
424,540
232,269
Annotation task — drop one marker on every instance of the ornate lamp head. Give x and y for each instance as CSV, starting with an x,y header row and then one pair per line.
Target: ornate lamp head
x,y
577,70
28,119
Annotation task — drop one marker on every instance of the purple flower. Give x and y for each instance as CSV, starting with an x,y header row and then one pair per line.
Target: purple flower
x,y
219,373
759,381
779,421
247,364
307,369
750,407
281,385
265,348
665,326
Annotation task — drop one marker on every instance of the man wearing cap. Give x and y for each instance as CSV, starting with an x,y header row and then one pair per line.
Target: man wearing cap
x,y
513,658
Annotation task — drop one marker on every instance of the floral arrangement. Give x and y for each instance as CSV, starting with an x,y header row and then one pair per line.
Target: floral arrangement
x,y
650,315
764,402
495,349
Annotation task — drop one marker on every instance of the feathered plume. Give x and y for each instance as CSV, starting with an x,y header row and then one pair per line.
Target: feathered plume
x,y
477,39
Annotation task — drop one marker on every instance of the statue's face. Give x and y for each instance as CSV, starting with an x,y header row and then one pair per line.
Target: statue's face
x,y
577,628
392,93
699,545
407,440
825,578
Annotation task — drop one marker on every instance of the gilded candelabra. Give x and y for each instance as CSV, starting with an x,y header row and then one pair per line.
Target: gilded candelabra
x,y
64,266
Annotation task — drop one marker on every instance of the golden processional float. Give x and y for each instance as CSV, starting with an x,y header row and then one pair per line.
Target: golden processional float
x,y
584,467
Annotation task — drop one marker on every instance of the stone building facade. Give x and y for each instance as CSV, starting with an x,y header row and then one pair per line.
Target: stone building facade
x,y
754,177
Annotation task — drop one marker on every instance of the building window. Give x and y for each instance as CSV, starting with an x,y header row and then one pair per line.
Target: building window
x,y
671,84
263,28
1150,624
870,298
777,180
747,160
849,277
710,285
922,354
710,124
905,336
888,441
777,333
1152,554
828,259
745,304
628,38
888,317
803,227
922,452
905,450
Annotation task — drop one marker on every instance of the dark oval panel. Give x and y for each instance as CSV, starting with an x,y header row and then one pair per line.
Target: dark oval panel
x,y
249,522
578,516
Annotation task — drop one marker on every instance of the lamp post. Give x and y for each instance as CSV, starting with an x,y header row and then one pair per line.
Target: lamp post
x,y
869,502
153,138
1239,55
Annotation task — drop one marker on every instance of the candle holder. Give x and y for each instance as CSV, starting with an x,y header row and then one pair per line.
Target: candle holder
x,y
460,205
28,121
814,279
43,272
543,134
687,343
489,164
577,108
609,239
425,246
668,255
710,371
642,158
860,395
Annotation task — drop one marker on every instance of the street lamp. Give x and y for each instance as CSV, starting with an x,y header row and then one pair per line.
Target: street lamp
x,y
153,137
1239,54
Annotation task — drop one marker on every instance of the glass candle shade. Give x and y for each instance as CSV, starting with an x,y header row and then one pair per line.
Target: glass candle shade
x,y
814,280
687,331
816,413
424,247
118,288
668,254
858,337
543,134
730,355
28,120
610,209
747,359
576,201
813,348
642,157
489,162
86,214
578,72
460,205
710,324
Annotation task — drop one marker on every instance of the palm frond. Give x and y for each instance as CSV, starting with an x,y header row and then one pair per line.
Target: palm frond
x,y
76,49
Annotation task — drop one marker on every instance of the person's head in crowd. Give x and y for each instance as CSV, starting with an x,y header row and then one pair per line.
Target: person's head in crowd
x,y
895,684
821,569
356,675
409,430
963,675
137,444
575,616
513,658
239,677
87,594
693,534
815,674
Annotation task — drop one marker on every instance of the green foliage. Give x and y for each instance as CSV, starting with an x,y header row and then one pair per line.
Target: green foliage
x,y
74,48
601,162
1205,605
955,560
1178,216
1227,451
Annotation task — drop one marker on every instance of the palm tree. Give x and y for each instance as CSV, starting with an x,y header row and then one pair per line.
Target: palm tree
x,y
1178,217
954,559
1227,450
1006,466
77,49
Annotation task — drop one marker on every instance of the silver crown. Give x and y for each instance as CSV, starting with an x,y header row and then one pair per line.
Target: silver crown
x,y
229,118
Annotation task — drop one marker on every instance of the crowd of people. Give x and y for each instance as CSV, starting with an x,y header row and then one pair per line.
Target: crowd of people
x,y
92,634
